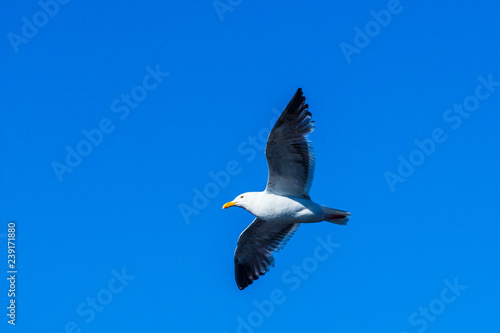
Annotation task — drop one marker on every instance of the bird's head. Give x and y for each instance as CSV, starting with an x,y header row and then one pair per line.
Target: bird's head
x,y
240,201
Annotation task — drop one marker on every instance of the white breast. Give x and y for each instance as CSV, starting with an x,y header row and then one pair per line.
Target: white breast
x,y
276,208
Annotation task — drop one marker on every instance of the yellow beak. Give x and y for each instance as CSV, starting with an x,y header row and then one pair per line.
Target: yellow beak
x,y
228,204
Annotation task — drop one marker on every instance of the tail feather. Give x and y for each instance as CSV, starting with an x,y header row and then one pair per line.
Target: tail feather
x,y
336,216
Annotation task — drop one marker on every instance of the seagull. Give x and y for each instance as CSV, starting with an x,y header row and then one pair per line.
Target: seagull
x,y
285,203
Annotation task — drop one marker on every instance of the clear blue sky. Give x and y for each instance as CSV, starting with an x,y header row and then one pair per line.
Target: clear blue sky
x,y
115,117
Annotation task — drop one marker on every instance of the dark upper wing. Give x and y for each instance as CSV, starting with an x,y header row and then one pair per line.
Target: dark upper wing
x,y
254,254
289,153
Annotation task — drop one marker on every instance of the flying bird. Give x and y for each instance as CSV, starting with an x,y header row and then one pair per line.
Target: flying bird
x,y
285,203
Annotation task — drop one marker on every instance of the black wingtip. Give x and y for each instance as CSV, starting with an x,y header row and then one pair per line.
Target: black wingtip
x,y
298,99
243,279
299,94
296,106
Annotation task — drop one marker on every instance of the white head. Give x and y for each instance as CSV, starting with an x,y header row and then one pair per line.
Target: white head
x,y
241,200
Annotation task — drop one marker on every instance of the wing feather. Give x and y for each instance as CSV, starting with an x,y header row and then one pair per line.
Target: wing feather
x,y
289,152
257,243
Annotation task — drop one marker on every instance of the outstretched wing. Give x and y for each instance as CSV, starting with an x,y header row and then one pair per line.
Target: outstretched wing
x,y
289,153
254,254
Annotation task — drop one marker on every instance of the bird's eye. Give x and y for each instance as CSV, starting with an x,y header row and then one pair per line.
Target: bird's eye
x,y
241,197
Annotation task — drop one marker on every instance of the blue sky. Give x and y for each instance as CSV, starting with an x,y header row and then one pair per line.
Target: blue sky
x,y
126,126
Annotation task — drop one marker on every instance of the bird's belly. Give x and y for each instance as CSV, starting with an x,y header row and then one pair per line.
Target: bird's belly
x,y
288,209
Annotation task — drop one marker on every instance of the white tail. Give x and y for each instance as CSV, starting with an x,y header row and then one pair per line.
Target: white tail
x,y
336,216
